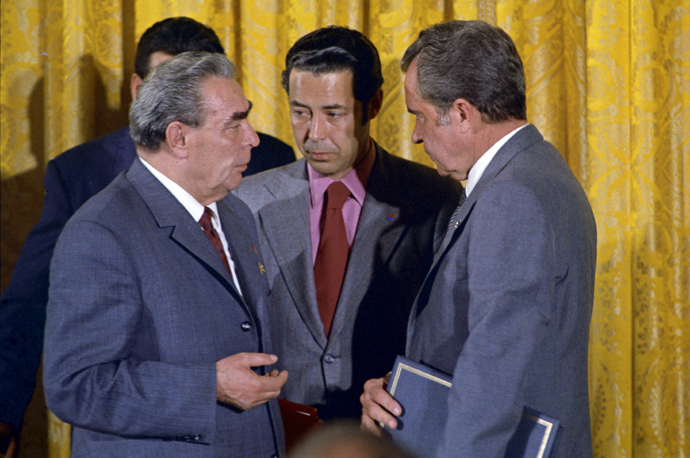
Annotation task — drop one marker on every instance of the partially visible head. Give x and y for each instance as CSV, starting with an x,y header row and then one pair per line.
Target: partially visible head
x,y
174,36
172,92
333,80
469,60
335,49
192,104
167,38
465,84
346,440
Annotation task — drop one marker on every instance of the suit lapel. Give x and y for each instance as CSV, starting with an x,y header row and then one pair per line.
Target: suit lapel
x,y
244,254
285,222
169,213
521,140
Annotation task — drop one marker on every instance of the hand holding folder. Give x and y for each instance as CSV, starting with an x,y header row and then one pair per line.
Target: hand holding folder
x,y
422,392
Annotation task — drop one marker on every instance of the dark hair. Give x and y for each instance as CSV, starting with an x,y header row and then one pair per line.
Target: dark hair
x,y
172,92
333,49
471,60
173,36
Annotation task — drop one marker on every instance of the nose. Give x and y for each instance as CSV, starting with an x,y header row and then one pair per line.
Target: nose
x,y
417,134
317,128
252,139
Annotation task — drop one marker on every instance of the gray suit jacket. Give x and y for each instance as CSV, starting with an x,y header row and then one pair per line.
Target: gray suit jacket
x,y
402,223
506,307
140,309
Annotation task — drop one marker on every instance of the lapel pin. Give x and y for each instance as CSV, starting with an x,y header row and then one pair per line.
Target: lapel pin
x,y
391,217
261,268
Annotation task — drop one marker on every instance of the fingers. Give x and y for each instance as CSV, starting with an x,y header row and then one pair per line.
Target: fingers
x,y
240,386
273,383
275,373
255,359
378,406
368,424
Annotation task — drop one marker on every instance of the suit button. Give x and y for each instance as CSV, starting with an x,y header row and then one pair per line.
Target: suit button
x,y
246,326
329,358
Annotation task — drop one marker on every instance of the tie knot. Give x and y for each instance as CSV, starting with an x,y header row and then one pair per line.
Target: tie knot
x,y
205,220
337,195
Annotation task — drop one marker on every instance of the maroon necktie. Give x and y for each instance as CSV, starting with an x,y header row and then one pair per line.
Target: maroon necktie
x,y
331,258
212,234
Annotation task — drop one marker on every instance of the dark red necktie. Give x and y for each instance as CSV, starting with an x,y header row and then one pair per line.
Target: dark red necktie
x,y
212,234
331,257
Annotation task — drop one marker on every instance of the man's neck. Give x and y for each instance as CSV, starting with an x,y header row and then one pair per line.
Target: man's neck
x,y
491,133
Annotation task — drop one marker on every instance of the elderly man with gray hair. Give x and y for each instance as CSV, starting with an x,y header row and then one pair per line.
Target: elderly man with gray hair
x,y
152,343
507,304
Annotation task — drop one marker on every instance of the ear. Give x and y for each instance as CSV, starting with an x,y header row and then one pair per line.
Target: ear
x,y
375,104
177,137
465,114
135,84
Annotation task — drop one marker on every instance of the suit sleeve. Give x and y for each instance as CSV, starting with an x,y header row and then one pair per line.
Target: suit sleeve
x,y
510,279
22,312
92,377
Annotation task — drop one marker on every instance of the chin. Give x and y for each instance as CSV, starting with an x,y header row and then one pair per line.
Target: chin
x,y
324,168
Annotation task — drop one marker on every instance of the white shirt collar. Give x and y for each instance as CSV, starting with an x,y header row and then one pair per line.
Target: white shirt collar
x,y
195,209
192,205
483,162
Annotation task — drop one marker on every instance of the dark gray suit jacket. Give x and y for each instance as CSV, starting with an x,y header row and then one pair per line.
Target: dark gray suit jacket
x,y
506,307
141,307
70,180
403,221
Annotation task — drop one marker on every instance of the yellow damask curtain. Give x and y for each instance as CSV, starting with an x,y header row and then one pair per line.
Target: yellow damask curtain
x,y
608,84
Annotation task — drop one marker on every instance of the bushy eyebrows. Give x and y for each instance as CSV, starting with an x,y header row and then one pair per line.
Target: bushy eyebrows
x,y
240,115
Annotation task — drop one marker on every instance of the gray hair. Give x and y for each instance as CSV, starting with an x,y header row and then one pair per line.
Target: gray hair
x,y
172,92
469,60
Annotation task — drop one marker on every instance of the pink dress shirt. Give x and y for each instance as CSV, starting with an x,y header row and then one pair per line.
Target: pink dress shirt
x,y
356,181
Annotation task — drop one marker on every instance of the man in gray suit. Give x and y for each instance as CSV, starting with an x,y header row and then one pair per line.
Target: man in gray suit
x,y
506,306
152,343
332,337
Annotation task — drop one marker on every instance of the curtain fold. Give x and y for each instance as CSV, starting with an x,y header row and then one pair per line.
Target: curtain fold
x,y
607,82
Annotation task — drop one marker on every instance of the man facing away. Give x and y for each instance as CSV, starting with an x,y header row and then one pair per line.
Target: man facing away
x,y
153,347
347,232
71,179
506,306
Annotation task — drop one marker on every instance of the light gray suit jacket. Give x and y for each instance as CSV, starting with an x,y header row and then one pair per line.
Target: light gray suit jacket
x,y
141,307
506,307
403,221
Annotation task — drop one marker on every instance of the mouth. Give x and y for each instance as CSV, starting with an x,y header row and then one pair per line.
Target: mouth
x,y
320,155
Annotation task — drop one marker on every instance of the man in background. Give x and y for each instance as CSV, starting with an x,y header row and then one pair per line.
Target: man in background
x,y
507,304
348,232
71,179
152,343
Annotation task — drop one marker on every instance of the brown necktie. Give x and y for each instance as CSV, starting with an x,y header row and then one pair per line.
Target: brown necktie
x,y
212,234
331,258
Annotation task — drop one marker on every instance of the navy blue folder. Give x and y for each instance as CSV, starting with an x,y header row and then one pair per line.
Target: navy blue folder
x,y
422,392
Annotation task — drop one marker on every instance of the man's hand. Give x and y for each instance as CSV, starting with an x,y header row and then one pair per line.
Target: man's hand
x,y
239,386
378,405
